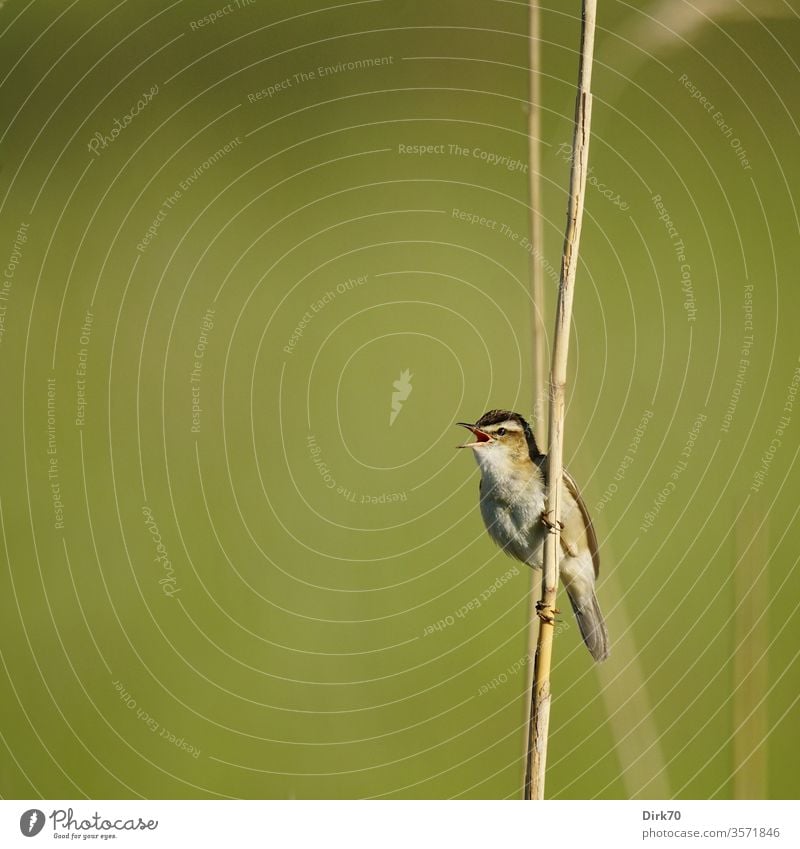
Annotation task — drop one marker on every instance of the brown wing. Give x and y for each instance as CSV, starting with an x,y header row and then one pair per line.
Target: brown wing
x,y
591,536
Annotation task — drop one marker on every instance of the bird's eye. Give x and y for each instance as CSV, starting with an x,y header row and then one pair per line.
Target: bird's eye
x,y
501,431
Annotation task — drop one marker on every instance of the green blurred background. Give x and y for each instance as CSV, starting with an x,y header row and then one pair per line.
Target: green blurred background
x,y
300,634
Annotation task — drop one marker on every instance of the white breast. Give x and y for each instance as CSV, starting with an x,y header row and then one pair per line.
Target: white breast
x,y
511,506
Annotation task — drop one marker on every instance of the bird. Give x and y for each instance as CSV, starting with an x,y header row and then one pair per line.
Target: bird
x,y
512,502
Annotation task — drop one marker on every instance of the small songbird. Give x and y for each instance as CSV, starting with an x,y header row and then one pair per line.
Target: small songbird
x,y
512,501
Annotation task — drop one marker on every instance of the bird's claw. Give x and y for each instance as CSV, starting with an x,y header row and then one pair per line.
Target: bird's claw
x,y
550,524
541,612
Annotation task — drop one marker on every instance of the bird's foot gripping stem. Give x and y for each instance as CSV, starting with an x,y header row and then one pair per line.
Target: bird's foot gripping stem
x,y
550,524
542,611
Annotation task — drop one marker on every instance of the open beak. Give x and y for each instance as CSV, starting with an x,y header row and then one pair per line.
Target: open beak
x,y
481,438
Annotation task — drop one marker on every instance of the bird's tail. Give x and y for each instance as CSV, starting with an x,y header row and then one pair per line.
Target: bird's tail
x,y
591,623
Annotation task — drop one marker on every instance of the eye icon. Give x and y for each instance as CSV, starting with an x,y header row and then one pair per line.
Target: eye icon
x,y
31,822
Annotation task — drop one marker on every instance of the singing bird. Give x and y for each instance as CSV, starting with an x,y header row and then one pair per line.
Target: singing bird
x,y
512,501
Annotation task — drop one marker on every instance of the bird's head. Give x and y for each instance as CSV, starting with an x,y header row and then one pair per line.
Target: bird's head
x,y
501,436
